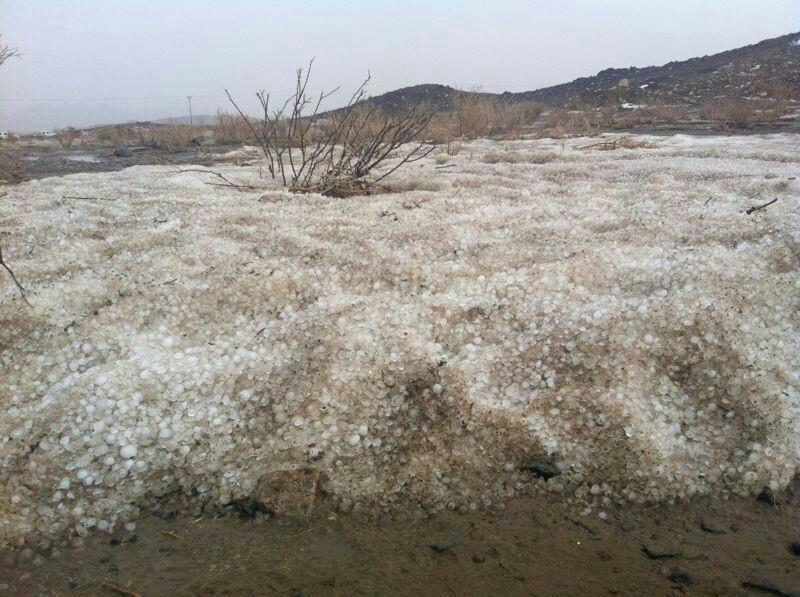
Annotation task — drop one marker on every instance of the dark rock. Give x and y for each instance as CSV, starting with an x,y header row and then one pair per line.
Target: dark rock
x,y
165,514
710,528
478,559
194,142
123,152
661,554
133,538
769,587
795,548
681,577
115,541
249,507
440,548
541,467
767,496
71,582
166,550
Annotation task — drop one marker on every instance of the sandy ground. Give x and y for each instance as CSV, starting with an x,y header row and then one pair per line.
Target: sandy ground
x,y
532,547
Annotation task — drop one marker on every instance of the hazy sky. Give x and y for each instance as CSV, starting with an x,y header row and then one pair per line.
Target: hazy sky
x,y
90,61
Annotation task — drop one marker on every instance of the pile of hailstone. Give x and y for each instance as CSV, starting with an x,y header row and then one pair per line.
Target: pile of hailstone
x,y
616,313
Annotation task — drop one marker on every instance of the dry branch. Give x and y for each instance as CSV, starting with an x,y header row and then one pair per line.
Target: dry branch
x,y
14,277
626,142
337,153
758,207
227,183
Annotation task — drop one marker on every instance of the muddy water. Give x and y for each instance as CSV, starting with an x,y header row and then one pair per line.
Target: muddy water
x,y
535,546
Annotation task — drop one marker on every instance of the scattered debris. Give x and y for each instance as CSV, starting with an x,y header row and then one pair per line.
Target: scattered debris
x,y
758,207
661,554
120,590
769,587
625,142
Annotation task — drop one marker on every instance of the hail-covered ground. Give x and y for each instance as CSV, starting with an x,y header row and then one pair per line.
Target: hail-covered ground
x,y
617,313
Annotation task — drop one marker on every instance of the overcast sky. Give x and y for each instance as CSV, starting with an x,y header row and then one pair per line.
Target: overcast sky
x,y
93,61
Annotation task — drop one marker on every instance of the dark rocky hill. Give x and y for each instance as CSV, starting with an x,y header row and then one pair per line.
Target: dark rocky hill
x,y
768,69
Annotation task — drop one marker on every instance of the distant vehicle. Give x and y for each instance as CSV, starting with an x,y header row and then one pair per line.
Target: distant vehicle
x,y
3,135
47,134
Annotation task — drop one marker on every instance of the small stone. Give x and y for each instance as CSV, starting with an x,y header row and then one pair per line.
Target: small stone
x,y
478,559
660,554
795,548
767,496
681,577
710,528
122,152
542,468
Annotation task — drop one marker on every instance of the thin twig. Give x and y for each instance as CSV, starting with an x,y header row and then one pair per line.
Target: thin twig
x,y
87,198
229,183
762,206
13,277
118,589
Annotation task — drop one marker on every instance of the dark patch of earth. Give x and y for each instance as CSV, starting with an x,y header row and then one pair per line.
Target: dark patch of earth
x,y
533,546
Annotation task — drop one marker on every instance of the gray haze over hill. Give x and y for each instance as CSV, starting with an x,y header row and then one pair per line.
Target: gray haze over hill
x,y
87,62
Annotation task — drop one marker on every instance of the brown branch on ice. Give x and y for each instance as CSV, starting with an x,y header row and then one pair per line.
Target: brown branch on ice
x,y
87,198
13,277
227,183
115,588
762,206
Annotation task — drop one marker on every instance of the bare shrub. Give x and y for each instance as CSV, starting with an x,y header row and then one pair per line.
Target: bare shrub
x,y
561,122
514,118
472,116
67,136
341,153
7,52
453,148
116,135
230,129
169,136
520,157
728,113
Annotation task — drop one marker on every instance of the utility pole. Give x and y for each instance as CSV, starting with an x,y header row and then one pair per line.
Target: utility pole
x,y
189,97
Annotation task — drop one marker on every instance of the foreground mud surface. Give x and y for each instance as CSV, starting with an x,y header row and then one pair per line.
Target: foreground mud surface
x,y
533,547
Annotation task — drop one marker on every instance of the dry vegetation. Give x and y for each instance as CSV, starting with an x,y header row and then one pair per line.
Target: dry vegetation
x,y
158,136
66,137
478,116
342,153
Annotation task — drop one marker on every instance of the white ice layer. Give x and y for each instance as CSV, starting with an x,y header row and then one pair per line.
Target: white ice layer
x,y
615,311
